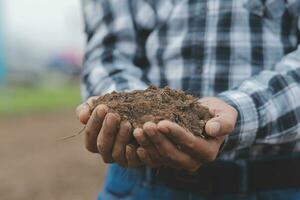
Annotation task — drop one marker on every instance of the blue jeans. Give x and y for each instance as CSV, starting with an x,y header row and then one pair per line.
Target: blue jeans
x,y
132,184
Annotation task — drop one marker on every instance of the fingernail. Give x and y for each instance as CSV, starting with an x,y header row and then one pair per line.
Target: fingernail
x,y
110,119
130,146
136,133
214,128
128,149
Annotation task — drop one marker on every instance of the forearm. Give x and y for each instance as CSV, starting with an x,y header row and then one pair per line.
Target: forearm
x,y
268,106
114,46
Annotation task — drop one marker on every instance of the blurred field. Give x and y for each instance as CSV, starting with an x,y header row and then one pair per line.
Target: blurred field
x,y
34,165
16,100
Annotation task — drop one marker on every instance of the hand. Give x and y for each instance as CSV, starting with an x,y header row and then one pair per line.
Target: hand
x,y
105,134
224,119
168,144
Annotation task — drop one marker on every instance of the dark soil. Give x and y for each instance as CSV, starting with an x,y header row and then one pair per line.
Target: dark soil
x,y
155,104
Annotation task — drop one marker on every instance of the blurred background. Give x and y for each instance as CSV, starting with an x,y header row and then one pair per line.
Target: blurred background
x,y
41,50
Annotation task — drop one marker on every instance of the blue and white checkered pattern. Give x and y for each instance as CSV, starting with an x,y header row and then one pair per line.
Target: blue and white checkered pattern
x,y
246,52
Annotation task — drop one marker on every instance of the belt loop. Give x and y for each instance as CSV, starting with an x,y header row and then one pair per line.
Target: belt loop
x,y
243,165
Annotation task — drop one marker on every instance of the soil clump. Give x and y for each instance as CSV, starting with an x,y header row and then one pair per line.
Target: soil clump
x,y
154,104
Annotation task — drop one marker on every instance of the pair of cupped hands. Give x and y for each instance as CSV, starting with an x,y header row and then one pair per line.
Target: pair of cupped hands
x,y
163,144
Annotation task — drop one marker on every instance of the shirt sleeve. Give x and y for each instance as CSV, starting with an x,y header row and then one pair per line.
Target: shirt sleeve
x,y
115,53
268,106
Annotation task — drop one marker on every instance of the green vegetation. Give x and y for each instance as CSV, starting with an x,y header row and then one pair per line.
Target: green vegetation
x,y
28,100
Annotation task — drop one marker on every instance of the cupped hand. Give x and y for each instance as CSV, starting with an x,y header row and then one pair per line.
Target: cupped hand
x,y
107,135
168,144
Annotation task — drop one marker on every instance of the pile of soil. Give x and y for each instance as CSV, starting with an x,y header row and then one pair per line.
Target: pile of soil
x,y
154,104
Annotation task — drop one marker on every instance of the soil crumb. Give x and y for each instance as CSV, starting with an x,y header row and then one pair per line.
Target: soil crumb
x,y
154,104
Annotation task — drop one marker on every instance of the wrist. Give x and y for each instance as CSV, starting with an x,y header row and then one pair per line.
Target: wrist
x,y
246,126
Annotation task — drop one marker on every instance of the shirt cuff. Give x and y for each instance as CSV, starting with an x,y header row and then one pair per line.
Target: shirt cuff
x,y
246,127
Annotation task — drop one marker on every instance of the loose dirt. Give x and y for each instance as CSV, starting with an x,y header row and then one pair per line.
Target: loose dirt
x,y
155,104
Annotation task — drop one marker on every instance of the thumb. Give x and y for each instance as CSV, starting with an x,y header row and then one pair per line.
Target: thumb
x,y
83,111
220,125
212,128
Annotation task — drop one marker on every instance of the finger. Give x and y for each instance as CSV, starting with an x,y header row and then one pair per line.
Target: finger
x,y
132,157
122,139
146,159
198,147
107,135
84,110
174,157
146,143
142,139
93,127
222,124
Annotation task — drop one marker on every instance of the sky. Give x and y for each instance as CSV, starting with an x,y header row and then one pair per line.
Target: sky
x,y
36,29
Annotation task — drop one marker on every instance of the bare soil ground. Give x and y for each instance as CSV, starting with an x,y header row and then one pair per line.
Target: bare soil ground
x,y
35,166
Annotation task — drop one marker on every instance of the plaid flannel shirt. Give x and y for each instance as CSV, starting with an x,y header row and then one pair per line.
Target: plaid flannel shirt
x,y
245,52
